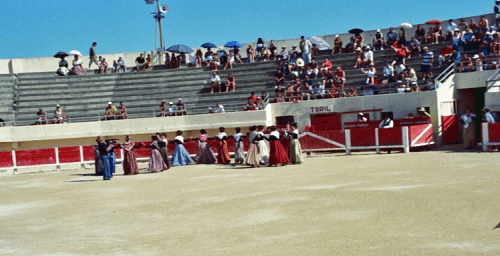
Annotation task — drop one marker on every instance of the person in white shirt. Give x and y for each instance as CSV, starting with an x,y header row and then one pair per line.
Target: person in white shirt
x,y
219,109
469,129
388,72
215,81
362,118
387,123
488,117
306,46
171,109
450,28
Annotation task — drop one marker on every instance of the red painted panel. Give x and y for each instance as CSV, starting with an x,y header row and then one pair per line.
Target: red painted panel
x,y
36,157
69,155
450,129
363,137
88,153
6,159
494,132
326,122
310,142
390,136
416,130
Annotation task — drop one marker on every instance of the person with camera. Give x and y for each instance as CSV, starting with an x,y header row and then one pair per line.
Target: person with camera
x,y
104,148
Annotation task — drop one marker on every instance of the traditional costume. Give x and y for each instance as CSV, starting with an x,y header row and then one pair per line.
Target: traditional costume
x,y
156,162
277,155
239,151
77,68
205,155
263,149
164,151
253,154
97,162
180,156
129,160
285,142
295,151
223,154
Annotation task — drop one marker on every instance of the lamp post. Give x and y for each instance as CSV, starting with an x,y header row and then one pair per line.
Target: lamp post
x,y
160,9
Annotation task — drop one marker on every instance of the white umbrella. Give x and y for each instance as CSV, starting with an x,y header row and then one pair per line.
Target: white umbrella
x,y
75,52
405,25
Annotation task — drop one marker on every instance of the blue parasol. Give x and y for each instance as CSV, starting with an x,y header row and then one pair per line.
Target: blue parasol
x,y
208,45
233,44
179,48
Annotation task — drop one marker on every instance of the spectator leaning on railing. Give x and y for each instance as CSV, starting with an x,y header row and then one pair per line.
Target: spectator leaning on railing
x,y
181,108
41,117
110,112
122,111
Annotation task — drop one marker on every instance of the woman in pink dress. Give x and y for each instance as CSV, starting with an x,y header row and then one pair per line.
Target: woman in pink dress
x,y
77,69
205,155
129,160
156,163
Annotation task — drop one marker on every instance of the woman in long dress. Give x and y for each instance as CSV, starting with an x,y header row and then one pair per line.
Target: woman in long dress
x,y
205,155
253,155
239,151
263,149
129,160
295,151
163,143
223,154
285,140
180,156
277,155
156,163
77,69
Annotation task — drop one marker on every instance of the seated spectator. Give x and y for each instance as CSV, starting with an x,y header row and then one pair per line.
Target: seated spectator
x,y
110,112
410,76
409,116
326,66
400,87
279,98
171,110
402,37
388,72
293,50
251,102
449,29
413,47
221,57
231,83
436,33
59,116
230,60
392,37
353,92
279,79
266,54
306,91
163,108
358,40
462,26
430,38
328,79
313,69
337,45
41,117
414,87
264,100
214,64
340,78
420,34
378,41
367,91
208,58
446,52
292,63
63,67
430,84
215,82
123,111
370,74
174,61
421,112
219,109
139,62
284,53
401,54
456,38
103,65
199,58
168,63
350,46
315,50
288,92
77,69
319,90
237,54
251,53
468,40
282,64
386,123
367,56
120,65
399,70
358,57
484,24
181,108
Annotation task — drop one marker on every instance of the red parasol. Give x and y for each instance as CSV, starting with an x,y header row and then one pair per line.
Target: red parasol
x,y
433,22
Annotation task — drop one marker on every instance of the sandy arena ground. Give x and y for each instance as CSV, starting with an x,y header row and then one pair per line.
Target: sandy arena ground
x,y
424,203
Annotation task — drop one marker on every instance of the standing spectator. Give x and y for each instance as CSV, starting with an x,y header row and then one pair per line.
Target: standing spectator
x,y
171,109
231,83
420,33
337,45
199,56
59,116
251,53
110,112
139,62
469,129
392,37
120,68
496,9
305,47
181,108
449,29
370,74
77,69
41,117
427,58
93,55
215,82
385,124
168,63
378,41
163,108
388,72
123,111
367,56
260,45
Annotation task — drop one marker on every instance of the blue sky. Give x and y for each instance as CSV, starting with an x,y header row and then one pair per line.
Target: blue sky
x,y
43,27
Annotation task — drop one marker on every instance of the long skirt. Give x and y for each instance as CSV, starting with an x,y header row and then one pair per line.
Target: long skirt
x,y
253,155
285,142
264,151
156,163
278,154
112,163
130,163
164,155
78,70
181,156
106,172
295,152
239,153
205,155
223,153
98,164
469,136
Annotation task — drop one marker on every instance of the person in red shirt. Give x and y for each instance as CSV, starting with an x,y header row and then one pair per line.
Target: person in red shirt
x,y
327,65
445,53
401,54
340,78
252,100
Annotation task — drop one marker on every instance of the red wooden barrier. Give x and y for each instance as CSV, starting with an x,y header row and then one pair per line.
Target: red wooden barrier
x,y
69,155
494,132
362,137
36,157
390,136
450,129
323,140
6,159
421,134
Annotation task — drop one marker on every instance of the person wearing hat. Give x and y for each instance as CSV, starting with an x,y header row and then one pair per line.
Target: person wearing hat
x,y
358,57
293,50
59,116
427,58
421,113
378,41
171,109
450,28
362,118
367,56
110,112
284,54
337,49
181,108
251,53
468,38
41,117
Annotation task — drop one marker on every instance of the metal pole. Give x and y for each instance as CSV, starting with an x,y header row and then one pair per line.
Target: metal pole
x,y
158,13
